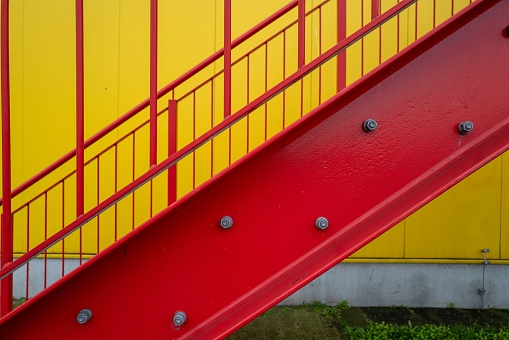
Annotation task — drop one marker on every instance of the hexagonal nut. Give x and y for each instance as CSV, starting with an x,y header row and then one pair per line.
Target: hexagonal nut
x,y
370,125
465,127
226,222
179,318
321,223
84,316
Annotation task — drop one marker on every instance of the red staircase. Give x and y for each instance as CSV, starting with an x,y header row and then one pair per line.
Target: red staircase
x,y
183,262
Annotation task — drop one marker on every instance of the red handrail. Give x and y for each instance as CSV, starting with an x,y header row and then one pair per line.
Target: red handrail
x,y
165,90
225,124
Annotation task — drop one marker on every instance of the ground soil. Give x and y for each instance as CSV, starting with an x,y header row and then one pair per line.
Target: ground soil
x,y
322,322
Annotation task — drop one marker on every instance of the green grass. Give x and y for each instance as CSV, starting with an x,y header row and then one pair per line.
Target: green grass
x,y
383,331
17,302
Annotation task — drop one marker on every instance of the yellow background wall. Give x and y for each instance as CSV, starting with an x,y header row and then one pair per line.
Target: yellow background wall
x,y
456,226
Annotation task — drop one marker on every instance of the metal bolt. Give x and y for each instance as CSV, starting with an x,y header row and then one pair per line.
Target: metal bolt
x,y
369,125
486,262
179,318
84,315
322,223
465,127
485,250
226,222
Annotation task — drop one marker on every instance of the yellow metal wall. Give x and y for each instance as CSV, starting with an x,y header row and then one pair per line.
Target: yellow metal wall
x,y
471,216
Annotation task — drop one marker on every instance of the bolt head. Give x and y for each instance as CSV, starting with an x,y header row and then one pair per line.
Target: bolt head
x,y
226,222
179,318
370,125
322,223
465,127
84,316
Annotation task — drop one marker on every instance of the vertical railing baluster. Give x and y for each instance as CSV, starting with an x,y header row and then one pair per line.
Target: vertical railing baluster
x,y
27,278
45,272
153,82
247,102
375,9
266,87
301,56
194,137
63,226
319,53
227,57
172,148
283,111
115,223
6,232
341,83
98,198
80,113
362,39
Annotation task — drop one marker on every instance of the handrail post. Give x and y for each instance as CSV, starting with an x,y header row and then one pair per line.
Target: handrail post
x,y
80,112
301,56
227,57
153,82
172,148
341,83
6,227
375,9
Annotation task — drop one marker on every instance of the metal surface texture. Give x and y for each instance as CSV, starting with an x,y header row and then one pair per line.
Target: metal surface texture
x,y
325,165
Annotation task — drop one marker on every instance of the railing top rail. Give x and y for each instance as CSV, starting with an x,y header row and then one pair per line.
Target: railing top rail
x,y
165,90
191,147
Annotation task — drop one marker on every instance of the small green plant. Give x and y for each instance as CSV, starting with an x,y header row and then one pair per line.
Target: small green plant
x,y
343,305
451,305
18,302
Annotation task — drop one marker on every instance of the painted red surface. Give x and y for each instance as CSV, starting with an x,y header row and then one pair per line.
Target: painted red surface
x,y
325,165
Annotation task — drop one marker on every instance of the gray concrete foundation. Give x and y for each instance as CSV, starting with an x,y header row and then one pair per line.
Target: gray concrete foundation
x,y
411,285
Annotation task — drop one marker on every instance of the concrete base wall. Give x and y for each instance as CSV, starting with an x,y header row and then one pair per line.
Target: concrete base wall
x,y
361,284
411,285
37,281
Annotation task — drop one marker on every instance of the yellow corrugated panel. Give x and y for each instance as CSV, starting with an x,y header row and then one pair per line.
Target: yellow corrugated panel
x,y
388,245
460,222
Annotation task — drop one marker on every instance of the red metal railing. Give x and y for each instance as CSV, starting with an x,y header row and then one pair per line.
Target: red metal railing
x,y
178,96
